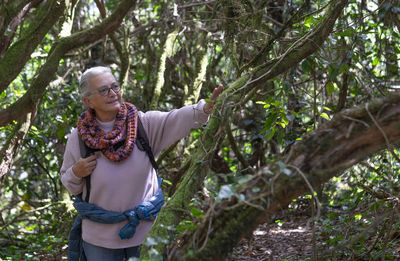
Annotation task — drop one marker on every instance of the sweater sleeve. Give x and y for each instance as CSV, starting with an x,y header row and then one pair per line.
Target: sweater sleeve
x,y
165,128
73,183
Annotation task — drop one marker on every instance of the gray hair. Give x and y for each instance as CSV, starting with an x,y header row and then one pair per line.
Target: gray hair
x,y
89,73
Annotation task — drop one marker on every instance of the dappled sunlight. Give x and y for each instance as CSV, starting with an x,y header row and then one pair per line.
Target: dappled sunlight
x,y
290,237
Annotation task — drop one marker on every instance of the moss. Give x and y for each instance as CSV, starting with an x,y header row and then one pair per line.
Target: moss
x,y
19,53
168,51
232,226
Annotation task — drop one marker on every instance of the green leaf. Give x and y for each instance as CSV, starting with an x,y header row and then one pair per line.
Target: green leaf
x,y
375,61
333,215
309,22
330,88
306,66
197,212
270,120
61,133
167,182
348,32
285,120
271,133
325,116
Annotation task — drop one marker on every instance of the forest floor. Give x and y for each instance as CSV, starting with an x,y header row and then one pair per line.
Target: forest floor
x,y
290,238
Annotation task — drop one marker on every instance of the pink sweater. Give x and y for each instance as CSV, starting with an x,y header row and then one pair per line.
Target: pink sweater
x,y
122,186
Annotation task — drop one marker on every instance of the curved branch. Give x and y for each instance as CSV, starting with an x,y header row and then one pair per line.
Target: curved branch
x,y
11,147
19,53
30,100
5,40
325,153
9,10
198,170
301,49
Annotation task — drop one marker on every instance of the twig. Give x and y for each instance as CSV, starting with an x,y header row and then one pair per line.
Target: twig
x,y
210,212
235,147
274,21
356,120
316,200
166,152
355,239
388,144
311,189
196,4
5,225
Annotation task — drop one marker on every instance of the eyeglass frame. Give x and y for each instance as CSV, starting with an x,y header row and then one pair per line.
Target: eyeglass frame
x,y
107,88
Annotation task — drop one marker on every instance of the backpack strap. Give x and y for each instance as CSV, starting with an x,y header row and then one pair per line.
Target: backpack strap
x,y
86,152
143,145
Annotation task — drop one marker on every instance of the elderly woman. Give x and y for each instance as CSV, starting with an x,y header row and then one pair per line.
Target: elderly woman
x,y
124,177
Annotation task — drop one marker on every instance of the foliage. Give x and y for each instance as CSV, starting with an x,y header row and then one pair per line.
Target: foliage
x,y
357,63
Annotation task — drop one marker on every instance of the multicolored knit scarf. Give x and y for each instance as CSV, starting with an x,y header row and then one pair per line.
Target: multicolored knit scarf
x,y
125,127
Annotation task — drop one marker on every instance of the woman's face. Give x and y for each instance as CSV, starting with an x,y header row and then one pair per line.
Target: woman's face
x,y
106,107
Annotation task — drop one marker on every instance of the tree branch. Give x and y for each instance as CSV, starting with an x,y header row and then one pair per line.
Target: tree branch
x,y
302,48
325,153
30,100
198,170
6,39
19,53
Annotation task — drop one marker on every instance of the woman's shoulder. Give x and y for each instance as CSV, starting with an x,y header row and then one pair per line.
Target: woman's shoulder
x,y
73,133
72,138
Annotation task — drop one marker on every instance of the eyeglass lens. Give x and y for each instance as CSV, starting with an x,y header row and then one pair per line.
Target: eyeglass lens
x,y
106,90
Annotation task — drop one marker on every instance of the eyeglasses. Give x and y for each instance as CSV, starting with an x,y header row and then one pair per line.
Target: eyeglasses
x,y
105,90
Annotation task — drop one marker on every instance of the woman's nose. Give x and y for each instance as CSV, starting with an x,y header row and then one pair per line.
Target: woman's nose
x,y
112,92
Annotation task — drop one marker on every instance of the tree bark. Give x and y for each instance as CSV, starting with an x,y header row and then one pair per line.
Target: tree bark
x,y
20,52
31,98
201,69
347,139
11,147
168,51
171,213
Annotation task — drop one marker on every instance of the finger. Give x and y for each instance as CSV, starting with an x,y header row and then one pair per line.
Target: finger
x,y
91,164
217,91
220,89
214,94
91,157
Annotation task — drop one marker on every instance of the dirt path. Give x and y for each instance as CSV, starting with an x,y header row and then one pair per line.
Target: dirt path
x,y
289,239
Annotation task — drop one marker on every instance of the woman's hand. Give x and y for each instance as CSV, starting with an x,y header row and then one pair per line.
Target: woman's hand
x,y
85,166
208,107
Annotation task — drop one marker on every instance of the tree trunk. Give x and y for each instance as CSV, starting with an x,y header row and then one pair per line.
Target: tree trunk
x,y
171,214
168,51
11,147
32,97
347,139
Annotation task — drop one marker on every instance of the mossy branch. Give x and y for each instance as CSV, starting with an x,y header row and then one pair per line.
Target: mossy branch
x,y
317,158
30,100
19,53
168,51
198,170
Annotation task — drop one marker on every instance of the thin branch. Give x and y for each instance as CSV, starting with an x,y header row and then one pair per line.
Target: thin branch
x,y
388,144
314,195
30,100
235,148
196,4
19,53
